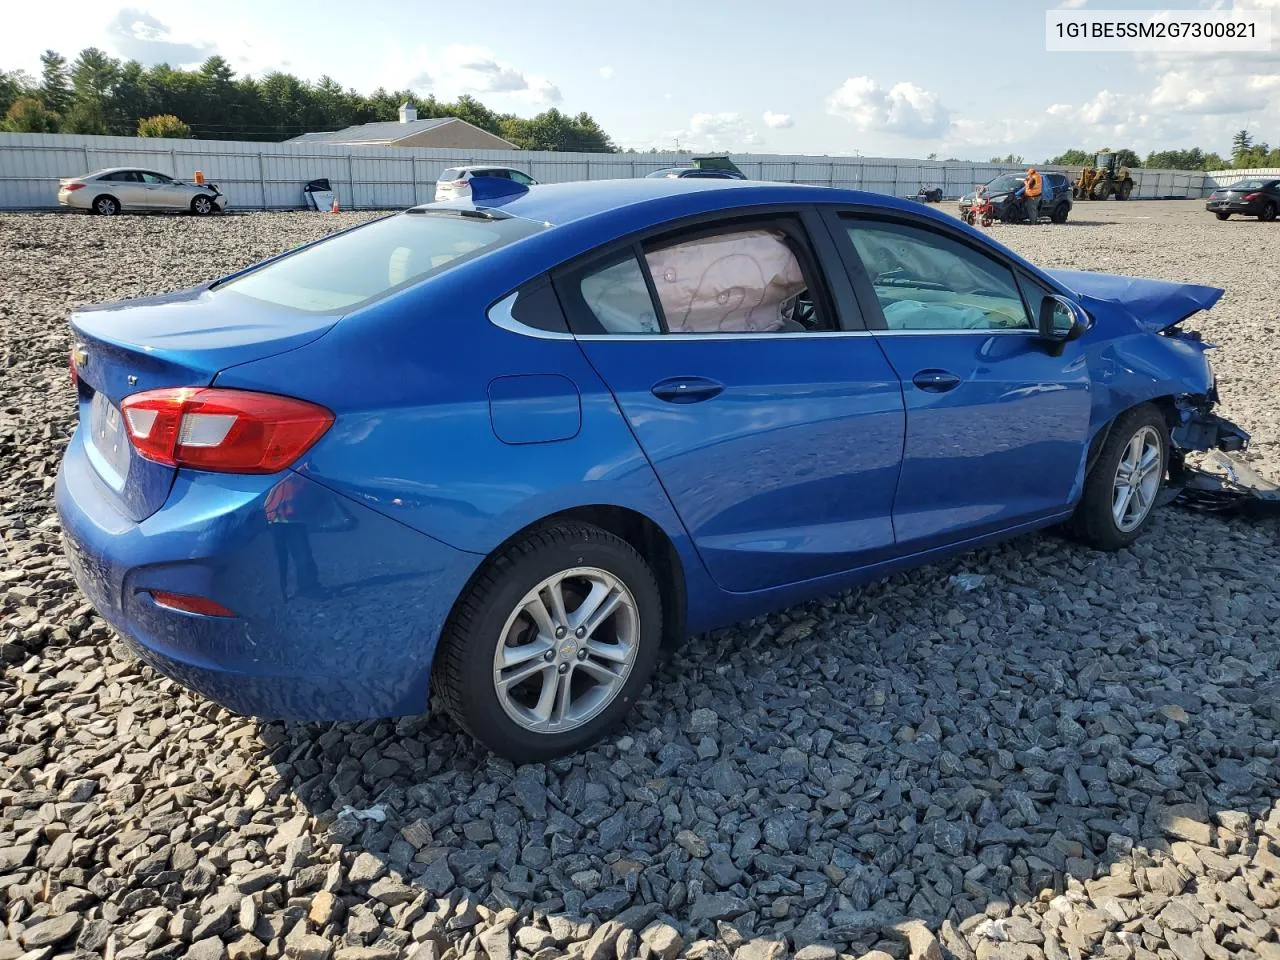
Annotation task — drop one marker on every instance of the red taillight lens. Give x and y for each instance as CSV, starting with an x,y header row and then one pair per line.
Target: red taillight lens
x,y
72,186
460,183
227,431
1253,196
189,603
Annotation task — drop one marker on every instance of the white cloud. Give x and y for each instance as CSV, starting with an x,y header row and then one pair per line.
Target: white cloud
x,y
778,121
720,131
137,35
606,73
466,69
904,109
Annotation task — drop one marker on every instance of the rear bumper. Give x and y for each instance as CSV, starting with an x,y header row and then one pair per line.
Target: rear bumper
x,y
338,610
1231,206
74,199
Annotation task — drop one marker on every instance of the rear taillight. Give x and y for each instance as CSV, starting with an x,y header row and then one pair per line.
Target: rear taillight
x,y
460,183
72,186
189,603
227,431
1253,196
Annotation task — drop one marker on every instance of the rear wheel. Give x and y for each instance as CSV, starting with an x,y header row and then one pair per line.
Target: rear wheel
x,y
105,205
1060,212
1222,215
202,206
552,643
1123,191
1268,211
1122,487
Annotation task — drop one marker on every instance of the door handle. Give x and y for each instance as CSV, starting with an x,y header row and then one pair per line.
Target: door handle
x,y
936,381
687,389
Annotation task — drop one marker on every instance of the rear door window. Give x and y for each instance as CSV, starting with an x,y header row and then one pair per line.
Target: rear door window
x,y
353,268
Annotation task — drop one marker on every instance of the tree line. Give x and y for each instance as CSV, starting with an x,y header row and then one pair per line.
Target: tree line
x,y
1246,154
98,94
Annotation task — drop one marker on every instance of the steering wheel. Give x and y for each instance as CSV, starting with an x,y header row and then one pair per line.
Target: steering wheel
x,y
802,310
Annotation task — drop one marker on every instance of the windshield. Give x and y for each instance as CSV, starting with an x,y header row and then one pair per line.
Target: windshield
x,y
1102,160
663,173
353,268
1004,185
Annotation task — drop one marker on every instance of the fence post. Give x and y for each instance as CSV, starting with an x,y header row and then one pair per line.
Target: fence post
x,y
351,178
87,167
262,179
173,163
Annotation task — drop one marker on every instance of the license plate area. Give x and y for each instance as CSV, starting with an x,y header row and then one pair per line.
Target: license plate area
x,y
109,440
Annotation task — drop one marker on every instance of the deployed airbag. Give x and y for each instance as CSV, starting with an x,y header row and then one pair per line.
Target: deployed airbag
x,y
731,283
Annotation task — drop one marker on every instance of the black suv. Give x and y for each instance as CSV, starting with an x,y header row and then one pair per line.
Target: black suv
x,y
1055,198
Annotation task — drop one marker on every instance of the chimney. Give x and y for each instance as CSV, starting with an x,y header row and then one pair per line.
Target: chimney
x,y
408,112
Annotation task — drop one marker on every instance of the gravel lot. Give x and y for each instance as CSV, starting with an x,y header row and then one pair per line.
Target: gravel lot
x,y
1077,756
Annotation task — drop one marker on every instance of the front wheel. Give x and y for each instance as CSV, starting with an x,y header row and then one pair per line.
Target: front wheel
x,y
1060,213
202,206
1122,487
551,644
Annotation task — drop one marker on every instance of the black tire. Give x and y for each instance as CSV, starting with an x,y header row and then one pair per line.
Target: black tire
x,y
1124,190
1093,521
1222,215
105,205
1060,213
462,678
202,206
1268,212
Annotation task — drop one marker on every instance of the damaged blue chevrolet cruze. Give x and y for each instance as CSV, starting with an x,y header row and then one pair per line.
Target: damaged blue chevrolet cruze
x,y
501,448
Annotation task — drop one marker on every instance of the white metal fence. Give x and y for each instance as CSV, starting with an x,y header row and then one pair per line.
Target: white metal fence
x,y
270,176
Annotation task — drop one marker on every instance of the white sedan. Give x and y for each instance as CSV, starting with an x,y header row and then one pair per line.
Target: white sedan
x,y
110,191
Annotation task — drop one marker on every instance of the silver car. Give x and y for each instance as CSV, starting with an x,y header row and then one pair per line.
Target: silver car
x,y
455,183
126,188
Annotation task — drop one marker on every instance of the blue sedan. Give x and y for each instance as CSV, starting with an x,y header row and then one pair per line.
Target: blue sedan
x,y
501,448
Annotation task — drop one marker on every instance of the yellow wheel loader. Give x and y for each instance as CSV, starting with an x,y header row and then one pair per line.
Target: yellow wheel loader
x,y
1106,178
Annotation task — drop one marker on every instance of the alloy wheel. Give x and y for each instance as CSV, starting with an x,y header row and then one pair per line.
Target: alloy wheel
x,y
566,650
1137,479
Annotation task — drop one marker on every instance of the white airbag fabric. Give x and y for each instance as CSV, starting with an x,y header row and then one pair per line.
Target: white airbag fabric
x,y
732,283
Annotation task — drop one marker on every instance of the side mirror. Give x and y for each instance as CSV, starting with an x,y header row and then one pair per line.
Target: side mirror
x,y
1061,321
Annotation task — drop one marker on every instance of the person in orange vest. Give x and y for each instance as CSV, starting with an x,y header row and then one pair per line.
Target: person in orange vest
x,y
1031,190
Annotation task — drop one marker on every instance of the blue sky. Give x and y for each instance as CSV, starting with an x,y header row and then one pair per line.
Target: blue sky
x,y
880,78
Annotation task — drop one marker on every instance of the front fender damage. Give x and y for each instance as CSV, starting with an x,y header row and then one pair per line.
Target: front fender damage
x,y
1207,469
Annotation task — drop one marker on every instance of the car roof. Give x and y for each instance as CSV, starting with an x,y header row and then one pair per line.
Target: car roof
x,y
669,198
98,173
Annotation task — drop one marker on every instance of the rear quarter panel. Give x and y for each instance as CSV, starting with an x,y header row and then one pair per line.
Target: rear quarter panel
x,y
413,381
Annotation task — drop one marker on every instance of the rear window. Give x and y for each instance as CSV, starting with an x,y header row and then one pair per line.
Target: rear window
x,y
352,268
453,173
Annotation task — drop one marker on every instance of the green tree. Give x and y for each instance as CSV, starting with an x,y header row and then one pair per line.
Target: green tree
x,y
93,79
1127,158
1008,158
1241,143
14,84
29,115
164,125
1072,158
55,87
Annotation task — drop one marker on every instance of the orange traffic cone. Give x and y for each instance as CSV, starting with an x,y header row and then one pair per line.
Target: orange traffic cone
x,y
334,206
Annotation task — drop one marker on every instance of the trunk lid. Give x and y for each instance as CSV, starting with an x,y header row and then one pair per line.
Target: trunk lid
x,y
1156,304
175,340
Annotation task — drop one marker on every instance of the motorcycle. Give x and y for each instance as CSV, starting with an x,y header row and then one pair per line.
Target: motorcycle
x,y
928,194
